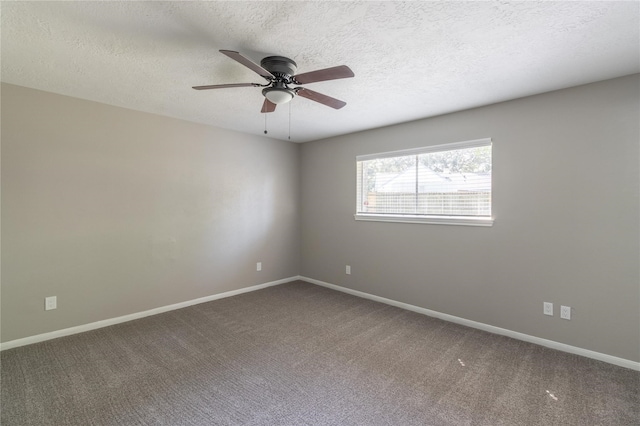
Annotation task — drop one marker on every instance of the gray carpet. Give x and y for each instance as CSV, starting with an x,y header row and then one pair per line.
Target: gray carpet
x,y
299,354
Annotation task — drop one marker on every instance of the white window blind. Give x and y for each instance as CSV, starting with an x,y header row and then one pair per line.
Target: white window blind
x,y
451,182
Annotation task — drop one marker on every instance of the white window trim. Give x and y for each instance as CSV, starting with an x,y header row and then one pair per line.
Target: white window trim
x,y
434,220
425,219
433,148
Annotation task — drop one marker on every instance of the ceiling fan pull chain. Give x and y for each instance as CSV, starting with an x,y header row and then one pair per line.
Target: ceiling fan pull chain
x,y
289,120
265,124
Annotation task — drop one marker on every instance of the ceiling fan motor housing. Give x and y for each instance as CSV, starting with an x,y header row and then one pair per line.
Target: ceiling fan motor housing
x,y
279,65
283,70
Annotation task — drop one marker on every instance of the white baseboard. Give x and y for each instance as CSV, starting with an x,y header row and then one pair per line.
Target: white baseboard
x,y
491,329
112,321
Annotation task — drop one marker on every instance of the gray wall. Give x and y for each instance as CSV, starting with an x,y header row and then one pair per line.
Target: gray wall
x,y
116,211
566,201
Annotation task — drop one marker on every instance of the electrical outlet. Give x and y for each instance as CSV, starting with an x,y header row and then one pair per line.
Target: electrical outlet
x,y
548,308
50,303
259,266
347,270
565,312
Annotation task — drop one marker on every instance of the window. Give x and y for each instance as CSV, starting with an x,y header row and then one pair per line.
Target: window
x,y
447,184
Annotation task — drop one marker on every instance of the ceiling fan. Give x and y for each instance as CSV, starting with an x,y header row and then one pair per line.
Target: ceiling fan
x,y
280,73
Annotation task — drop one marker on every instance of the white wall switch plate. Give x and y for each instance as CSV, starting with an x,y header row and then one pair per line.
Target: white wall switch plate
x,y
50,303
565,312
347,270
548,308
259,266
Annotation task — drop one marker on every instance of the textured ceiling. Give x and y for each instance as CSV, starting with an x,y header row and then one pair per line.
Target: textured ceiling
x,y
411,59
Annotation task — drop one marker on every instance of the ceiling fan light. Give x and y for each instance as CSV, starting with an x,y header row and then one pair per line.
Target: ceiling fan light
x,y
278,96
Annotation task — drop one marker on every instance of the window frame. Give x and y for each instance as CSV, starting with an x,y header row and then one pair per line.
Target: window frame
x,y
426,219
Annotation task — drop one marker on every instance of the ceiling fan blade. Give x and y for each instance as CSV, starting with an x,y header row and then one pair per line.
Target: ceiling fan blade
x,y
248,63
268,106
341,71
225,86
319,97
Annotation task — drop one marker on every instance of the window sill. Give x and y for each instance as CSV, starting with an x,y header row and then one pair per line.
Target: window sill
x,y
435,220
